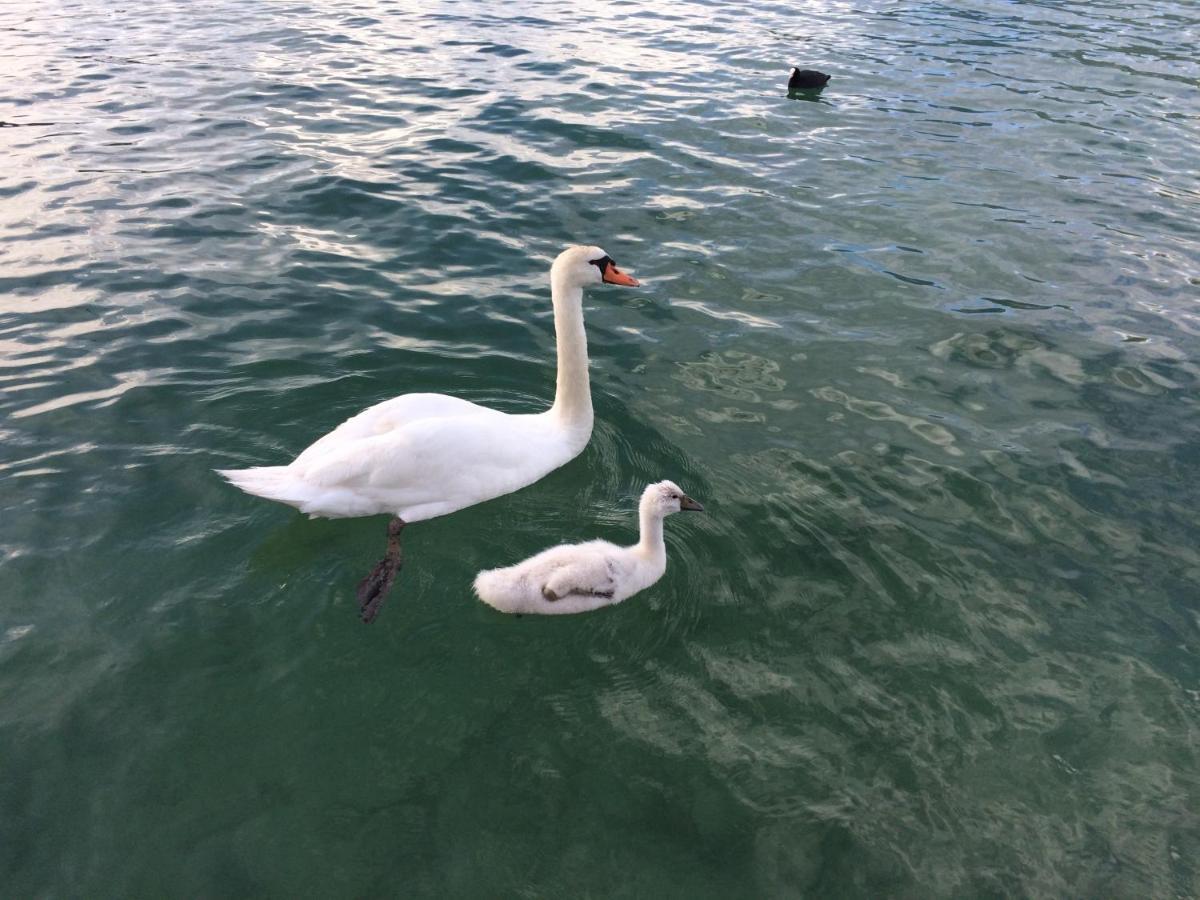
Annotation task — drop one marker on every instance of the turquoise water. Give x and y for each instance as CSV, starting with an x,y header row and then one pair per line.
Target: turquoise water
x,y
925,345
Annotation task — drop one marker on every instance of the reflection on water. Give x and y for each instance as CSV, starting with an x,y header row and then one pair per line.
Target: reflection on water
x,y
925,346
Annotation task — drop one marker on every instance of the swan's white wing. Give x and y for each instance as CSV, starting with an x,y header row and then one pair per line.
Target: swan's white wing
x,y
388,416
433,466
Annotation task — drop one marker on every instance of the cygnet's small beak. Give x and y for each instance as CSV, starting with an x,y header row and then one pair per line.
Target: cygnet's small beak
x,y
686,502
613,275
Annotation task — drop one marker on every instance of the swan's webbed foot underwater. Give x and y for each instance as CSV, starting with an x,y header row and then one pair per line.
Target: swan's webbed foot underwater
x,y
373,589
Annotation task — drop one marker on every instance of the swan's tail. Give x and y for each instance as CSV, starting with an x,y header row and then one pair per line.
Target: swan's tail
x,y
277,483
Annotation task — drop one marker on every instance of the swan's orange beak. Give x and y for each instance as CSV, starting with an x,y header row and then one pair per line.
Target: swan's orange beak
x,y
613,275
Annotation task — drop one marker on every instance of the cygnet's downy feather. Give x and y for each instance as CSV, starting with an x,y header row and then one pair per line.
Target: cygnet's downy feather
x,y
575,578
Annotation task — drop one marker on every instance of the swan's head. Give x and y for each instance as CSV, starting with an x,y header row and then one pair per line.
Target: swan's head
x,y
667,497
585,266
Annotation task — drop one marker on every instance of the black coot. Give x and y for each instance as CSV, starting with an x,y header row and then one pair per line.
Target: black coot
x,y
807,80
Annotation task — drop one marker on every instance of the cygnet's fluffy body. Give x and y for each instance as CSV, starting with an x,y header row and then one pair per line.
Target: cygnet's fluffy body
x,y
575,578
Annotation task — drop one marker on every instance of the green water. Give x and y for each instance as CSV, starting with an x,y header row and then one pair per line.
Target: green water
x,y
925,345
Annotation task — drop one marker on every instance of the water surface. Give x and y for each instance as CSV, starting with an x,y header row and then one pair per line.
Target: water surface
x,y
924,344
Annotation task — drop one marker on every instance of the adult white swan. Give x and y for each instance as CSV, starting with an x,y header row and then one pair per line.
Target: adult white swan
x,y
418,456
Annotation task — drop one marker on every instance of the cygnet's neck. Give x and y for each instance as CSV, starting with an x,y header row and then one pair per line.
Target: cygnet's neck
x,y
573,394
650,520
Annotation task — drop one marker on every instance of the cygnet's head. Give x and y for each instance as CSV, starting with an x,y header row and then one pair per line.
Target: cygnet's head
x,y
586,266
666,497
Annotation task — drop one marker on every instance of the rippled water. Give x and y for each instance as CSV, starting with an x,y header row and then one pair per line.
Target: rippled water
x,y
925,345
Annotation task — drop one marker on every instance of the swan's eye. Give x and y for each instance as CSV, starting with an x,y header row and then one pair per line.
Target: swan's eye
x,y
602,263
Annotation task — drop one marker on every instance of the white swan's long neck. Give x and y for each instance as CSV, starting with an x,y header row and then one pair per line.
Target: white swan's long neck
x,y
573,394
651,543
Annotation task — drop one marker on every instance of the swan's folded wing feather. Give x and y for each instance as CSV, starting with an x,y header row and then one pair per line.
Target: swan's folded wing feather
x,y
388,417
451,460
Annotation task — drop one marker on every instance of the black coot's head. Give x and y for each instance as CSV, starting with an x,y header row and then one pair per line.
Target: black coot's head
x,y
807,80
